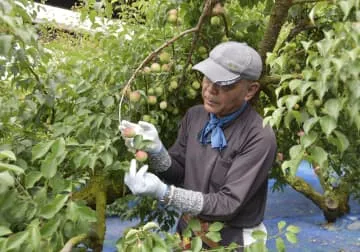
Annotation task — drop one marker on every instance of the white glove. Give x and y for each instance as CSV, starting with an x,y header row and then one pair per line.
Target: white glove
x,y
146,130
143,182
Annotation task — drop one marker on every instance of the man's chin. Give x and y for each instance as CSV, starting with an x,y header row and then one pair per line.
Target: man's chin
x,y
210,109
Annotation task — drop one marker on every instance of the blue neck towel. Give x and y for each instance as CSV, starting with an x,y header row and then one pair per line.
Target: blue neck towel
x,y
214,126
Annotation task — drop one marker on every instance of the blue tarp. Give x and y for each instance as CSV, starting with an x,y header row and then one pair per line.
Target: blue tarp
x,y
316,234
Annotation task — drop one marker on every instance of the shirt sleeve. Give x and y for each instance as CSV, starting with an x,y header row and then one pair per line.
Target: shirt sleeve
x,y
175,174
247,173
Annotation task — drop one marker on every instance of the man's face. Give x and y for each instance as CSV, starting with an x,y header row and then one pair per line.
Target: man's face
x,y
223,100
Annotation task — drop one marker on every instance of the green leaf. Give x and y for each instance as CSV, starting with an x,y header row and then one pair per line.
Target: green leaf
x,y
306,44
321,88
196,244
10,167
214,236
31,178
256,247
49,166
292,165
77,211
216,226
49,210
131,233
291,100
6,180
39,150
7,154
303,89
309,124
159,241
4,231
187,232
137,141
58,148
292,114
159,249
291,237
277,116
324,47
5,44
108,101
295,151
308,139
354,89
150,225
16,240
50,227
328,124
280,245
319,155
259,235
35,237
343,142
295,84
312,15
107,158
86,213
332,107
194,224
293,229
281,225
346,7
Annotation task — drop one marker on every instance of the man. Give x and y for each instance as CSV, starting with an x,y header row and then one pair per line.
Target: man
x,y
218,166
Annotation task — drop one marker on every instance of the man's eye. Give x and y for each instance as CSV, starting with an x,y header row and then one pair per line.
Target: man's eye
x,y
227,88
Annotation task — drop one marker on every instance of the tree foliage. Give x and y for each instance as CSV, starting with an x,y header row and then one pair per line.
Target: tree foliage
x,y
62,94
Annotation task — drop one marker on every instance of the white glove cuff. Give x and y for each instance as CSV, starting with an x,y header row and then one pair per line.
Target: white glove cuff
x,y
186,201
161,161
155,147
160,193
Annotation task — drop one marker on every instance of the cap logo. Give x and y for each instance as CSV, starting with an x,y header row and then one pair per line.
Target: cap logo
x,y
232,67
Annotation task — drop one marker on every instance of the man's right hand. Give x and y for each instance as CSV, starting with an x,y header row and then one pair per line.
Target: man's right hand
x,y
146,130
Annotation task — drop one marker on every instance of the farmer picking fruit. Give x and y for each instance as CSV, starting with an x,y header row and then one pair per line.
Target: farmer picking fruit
x,y
217,169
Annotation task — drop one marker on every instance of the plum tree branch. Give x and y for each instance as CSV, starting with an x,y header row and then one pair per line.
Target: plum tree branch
x,y
196,29
302,186
206,11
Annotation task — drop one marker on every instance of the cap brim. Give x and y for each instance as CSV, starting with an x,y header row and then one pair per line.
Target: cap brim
x,y
215,72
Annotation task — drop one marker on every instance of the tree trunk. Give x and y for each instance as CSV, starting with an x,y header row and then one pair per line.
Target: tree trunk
x,y
278,17
100,213
99,192
114,188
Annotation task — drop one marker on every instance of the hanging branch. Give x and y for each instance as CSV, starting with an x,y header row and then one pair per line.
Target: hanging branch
x,y
195,30
303,25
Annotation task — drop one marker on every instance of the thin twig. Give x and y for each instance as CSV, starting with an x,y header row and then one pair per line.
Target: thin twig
x,y
311,1
72,242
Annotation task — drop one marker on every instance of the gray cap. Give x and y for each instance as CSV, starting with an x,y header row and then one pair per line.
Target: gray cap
x,y
229,62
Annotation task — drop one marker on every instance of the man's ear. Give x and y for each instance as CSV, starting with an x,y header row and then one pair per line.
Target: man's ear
x,y
253,88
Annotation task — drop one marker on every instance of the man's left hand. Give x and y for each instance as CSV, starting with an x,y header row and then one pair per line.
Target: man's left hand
x,y
143,182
